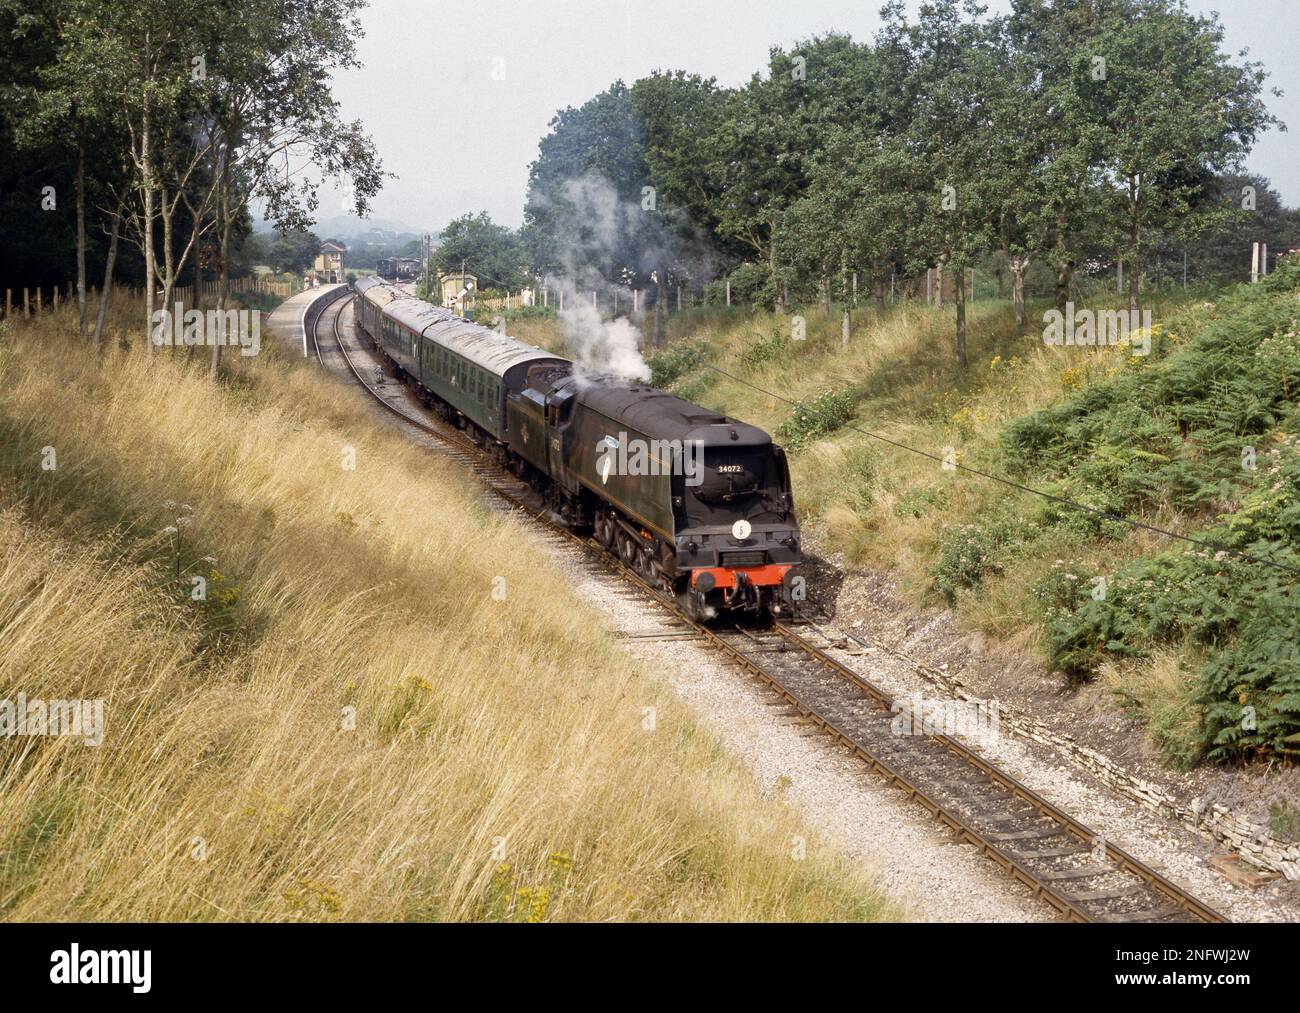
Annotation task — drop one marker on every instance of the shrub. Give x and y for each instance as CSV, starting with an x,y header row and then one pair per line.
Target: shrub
x,y
677,359
764,350
1244,615
263,302
970,552
696,387
1284,821
915,503
817,418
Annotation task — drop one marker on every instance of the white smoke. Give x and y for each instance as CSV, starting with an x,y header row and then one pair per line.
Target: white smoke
x,y
599,345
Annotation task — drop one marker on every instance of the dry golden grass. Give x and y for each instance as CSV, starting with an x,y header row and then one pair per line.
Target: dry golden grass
x,y
1162,690
499,768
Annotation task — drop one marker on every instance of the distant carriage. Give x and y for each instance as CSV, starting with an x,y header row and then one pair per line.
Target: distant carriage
x,y
398,268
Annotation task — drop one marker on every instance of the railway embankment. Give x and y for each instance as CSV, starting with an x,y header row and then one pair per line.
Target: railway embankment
x,y
333,684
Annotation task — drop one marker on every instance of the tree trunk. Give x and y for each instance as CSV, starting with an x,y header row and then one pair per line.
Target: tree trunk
x,y
108,276
1064,268
961,317
1019,265
1135,246
661,306
846,317
223,268
146,168
824,290
777,288
168,276
772,273
81,240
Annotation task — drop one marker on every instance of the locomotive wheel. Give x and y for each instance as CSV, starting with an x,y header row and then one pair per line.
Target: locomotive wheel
x,y
604,530
645,566
627,551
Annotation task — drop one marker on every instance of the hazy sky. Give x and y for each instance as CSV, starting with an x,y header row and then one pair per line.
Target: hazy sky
x,y
457,96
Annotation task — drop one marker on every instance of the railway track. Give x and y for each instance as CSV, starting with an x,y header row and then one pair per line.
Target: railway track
x,y
1061,861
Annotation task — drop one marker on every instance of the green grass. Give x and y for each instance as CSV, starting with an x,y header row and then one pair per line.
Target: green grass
x,y
1161,439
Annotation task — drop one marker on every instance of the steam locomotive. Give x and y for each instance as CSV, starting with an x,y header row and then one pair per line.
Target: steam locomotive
x,y
698,503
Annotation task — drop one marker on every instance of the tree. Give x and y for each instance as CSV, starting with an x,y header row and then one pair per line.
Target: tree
x,y
585,190
294,252
1052,45
65,115
149,53
266,103
958,64
491,252
1248,210
774,127
866,207
1177,113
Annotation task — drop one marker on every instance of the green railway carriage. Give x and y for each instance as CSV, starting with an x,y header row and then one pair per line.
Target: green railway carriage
x,y
372,295
403,324
471,369
476,369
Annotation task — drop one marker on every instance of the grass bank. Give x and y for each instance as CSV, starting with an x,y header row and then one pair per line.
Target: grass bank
x,y
335,686
1199,437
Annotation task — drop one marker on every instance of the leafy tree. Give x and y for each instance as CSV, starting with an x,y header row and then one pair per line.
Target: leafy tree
x,y
294,252
491,252
149,53
773,129
683,123
866,206
1052,44
265,103
1249,211
588,175
61,120
958,66
1176,112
